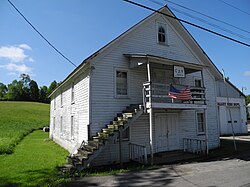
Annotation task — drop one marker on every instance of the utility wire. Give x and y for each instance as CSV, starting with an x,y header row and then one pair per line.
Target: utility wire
x,y
41,34
211,24
187,22
234,7
204,21
215,19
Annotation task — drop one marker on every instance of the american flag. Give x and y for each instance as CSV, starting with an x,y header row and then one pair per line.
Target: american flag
x,y
179,94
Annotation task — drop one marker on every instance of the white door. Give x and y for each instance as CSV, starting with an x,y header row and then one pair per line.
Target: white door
x,y
166,128
235,113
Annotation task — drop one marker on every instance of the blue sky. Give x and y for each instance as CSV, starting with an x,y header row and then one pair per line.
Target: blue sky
x,y
80,27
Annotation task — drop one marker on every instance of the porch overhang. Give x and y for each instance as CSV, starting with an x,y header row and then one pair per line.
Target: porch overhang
x,y
136,60
181,106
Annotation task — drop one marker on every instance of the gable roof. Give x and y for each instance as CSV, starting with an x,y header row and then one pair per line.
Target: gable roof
x,y
193,44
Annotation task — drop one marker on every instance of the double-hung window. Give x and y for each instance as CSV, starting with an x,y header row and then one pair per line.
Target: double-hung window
x,y
72,130
121,83
162,33
201,122
72,92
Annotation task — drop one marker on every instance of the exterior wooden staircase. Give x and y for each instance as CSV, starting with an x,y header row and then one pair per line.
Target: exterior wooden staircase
x,y
88,151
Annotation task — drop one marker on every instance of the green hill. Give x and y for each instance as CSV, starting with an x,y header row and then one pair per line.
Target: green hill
x,y
17,119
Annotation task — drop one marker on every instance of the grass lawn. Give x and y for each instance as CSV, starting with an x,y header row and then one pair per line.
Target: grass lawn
x,y
17,119
34,162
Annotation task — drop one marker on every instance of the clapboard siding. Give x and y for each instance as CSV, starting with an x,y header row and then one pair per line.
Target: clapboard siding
x,y
79,110
227,90
212,114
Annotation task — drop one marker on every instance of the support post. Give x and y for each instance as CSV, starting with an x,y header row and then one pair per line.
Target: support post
x,y
151,135
206,131
120,146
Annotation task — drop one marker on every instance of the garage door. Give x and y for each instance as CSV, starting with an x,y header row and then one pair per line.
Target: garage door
x,y
235,113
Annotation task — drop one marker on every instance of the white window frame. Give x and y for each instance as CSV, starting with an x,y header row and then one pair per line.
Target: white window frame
x,y
204,123
165,27
115,82
73,93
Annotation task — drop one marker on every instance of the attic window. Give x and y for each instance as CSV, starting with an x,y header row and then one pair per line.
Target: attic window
x,y
161,33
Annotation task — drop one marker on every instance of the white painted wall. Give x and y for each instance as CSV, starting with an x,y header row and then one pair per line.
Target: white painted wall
x,y
79,109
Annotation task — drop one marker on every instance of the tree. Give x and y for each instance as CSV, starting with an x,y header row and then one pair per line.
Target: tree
x,y
43,94
33,91
52,86
15,91
3,91
248,99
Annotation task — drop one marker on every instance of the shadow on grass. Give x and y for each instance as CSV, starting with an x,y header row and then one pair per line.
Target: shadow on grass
x,y
41,177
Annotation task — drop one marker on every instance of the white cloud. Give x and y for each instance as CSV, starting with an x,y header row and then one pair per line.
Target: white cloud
x,y
24,46
15,53
247,73
17,68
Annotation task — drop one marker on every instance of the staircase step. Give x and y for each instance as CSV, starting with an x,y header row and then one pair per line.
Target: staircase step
x,y
115,127
128,115
94,144
103,135
108,130
88,148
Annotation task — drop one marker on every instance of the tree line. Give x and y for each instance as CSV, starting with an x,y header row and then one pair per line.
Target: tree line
x,y
26,89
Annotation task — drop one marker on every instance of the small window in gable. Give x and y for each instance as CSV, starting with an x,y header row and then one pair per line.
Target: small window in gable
x,y
161,33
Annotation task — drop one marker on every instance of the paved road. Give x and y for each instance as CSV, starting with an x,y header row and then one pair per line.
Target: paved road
x,y
231,172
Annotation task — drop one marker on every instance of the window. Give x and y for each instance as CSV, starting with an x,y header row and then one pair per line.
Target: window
x,y
54,124
197,83
121,83
200,123
61,95
72,131
73,93
61,125
161,33
54,103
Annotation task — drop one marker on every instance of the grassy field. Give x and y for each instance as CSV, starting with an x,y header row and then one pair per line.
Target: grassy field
x,y
34,162
17,119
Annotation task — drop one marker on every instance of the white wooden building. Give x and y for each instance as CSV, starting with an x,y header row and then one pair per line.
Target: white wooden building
x,y
126,83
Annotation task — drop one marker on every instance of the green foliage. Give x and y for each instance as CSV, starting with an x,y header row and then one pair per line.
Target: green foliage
x,y
52,86
26,89
248,99
17,119
34,163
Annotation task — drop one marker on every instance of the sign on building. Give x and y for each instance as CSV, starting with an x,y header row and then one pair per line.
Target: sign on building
x,y
179,71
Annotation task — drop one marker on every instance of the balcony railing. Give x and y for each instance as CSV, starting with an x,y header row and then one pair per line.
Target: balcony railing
x,y
160,93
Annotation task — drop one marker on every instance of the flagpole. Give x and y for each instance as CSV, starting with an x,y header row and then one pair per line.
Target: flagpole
x,y
230,115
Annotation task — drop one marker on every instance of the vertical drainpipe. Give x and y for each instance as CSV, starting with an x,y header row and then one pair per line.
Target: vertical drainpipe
x,y
150,115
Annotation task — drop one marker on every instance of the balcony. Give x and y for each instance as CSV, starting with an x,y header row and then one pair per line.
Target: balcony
x,y
157,95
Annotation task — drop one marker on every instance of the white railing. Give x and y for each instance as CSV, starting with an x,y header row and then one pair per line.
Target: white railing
x,y
194,145
158,93
138,153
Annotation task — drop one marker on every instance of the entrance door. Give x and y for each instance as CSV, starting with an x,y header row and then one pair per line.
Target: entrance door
x,y
166,128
